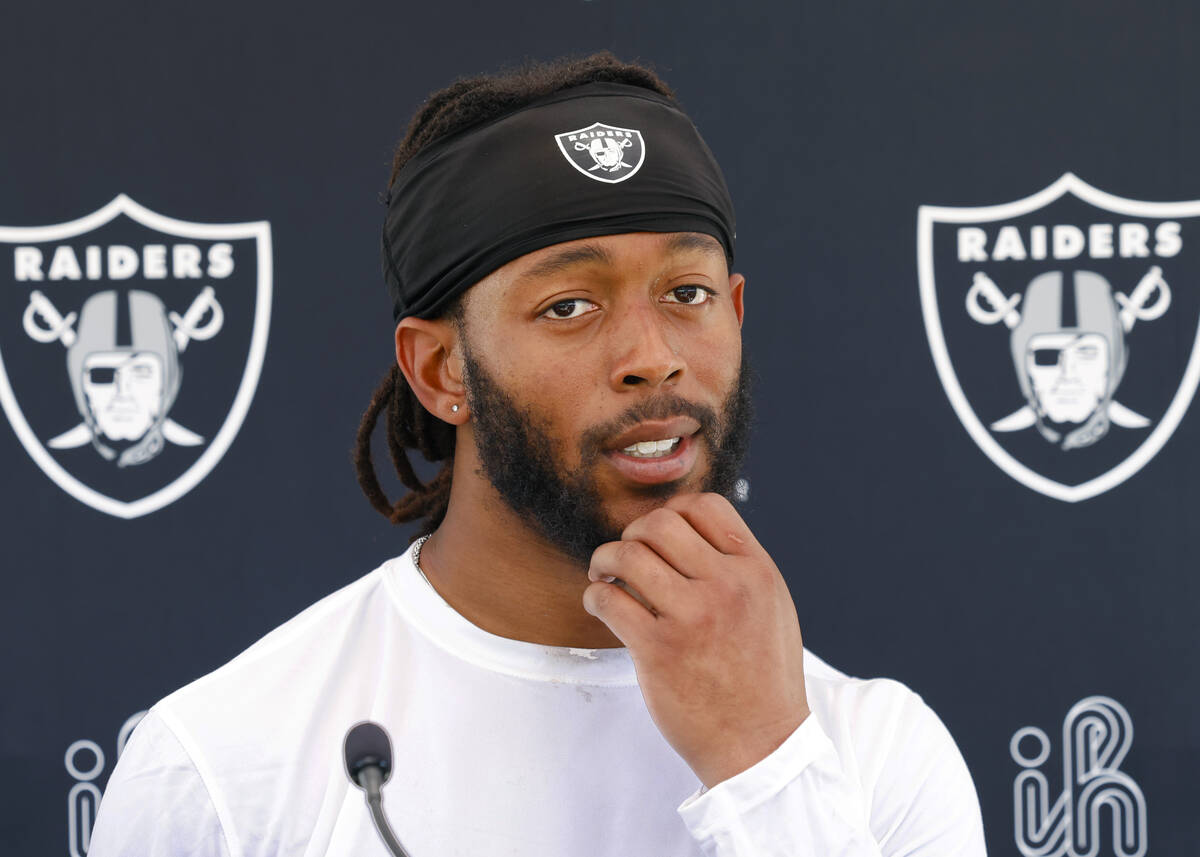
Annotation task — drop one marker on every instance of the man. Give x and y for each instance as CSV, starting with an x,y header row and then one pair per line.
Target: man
x,y
590,633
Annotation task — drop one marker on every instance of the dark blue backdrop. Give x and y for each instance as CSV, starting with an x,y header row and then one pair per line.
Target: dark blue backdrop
x,y
909,552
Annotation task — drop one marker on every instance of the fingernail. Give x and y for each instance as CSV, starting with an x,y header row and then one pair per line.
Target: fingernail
x,y
608,578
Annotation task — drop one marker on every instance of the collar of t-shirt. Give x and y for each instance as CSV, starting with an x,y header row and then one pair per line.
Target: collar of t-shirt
x,y
429,613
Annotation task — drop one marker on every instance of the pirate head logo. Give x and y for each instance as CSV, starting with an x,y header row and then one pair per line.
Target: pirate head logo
x,y
124,391
1068,349
1067,275
603,152
124,297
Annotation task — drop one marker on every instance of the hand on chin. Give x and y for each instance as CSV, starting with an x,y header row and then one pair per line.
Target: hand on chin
x,y
712,630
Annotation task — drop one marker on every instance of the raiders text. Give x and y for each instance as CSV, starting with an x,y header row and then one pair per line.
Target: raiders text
x,y
120,262
1064,241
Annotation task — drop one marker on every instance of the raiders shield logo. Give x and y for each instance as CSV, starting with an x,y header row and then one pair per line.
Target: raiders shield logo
x,y
1064,328
100,318
603,152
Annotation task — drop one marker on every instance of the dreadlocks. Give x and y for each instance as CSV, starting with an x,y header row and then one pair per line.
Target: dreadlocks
x,y
468,102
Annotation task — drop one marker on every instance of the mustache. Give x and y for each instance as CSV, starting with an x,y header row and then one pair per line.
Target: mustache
x,y
661,407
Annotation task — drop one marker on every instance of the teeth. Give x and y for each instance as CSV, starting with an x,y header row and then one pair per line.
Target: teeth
x,y
651,448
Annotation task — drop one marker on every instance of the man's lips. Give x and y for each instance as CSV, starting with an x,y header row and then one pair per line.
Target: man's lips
x,y
648,430
668,467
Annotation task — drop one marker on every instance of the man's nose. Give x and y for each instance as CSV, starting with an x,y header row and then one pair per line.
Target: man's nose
x,y
644,351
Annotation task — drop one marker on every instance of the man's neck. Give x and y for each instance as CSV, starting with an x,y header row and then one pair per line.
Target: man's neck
x,y
502,576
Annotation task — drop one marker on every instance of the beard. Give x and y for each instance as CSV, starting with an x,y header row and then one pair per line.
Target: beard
x,y
516,451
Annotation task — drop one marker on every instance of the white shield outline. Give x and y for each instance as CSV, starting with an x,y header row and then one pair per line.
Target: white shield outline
x,y
122,204
928,215
558,138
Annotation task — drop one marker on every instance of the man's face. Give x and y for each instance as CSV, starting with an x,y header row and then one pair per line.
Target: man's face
x,y
1068,373
605,375
124,391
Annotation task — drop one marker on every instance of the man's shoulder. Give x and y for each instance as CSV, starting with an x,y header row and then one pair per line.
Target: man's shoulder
x,y
860,706
820,672
288,666
901,755
882,729
258,732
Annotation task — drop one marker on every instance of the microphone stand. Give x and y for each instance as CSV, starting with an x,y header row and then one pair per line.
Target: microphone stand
x,y
371,779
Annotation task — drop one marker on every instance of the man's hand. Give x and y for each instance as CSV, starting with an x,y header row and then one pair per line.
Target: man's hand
x,y
716,642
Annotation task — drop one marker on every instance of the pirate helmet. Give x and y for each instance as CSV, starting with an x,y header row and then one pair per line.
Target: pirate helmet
x,y
1088,307
144,328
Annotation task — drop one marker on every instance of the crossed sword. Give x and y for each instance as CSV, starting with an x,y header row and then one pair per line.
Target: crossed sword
x,y
1134,308
55,326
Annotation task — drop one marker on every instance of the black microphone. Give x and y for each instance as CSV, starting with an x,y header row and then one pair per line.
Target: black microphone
x,y
368,755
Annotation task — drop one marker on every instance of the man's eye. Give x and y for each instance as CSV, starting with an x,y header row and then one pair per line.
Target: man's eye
x,y
572,308
687,295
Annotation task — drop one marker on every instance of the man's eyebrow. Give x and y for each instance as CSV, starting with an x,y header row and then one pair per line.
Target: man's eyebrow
x,y
561,260
695,241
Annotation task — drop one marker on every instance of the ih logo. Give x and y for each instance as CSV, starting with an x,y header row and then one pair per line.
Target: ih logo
x,y
128,297
1096,736
1064,329
83,801
603,152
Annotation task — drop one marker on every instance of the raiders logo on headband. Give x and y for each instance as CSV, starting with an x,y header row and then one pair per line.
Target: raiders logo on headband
x,y
129,297
1064,328
603,152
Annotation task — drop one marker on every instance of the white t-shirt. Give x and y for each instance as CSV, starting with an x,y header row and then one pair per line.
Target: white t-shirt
x,y
503,747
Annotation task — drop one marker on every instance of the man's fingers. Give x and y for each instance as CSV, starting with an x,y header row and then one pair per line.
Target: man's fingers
x,y
714,518
619,610
675,540
643,569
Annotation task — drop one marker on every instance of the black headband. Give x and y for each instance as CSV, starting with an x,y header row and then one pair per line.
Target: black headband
x,y
598,159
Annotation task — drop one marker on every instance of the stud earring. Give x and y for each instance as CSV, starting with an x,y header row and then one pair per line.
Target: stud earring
x,y
454,409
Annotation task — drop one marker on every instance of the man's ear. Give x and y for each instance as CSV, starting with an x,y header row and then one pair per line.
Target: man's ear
x,y
427,353
737,286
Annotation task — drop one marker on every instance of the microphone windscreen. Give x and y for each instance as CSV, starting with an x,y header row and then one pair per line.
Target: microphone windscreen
x,y
367,744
